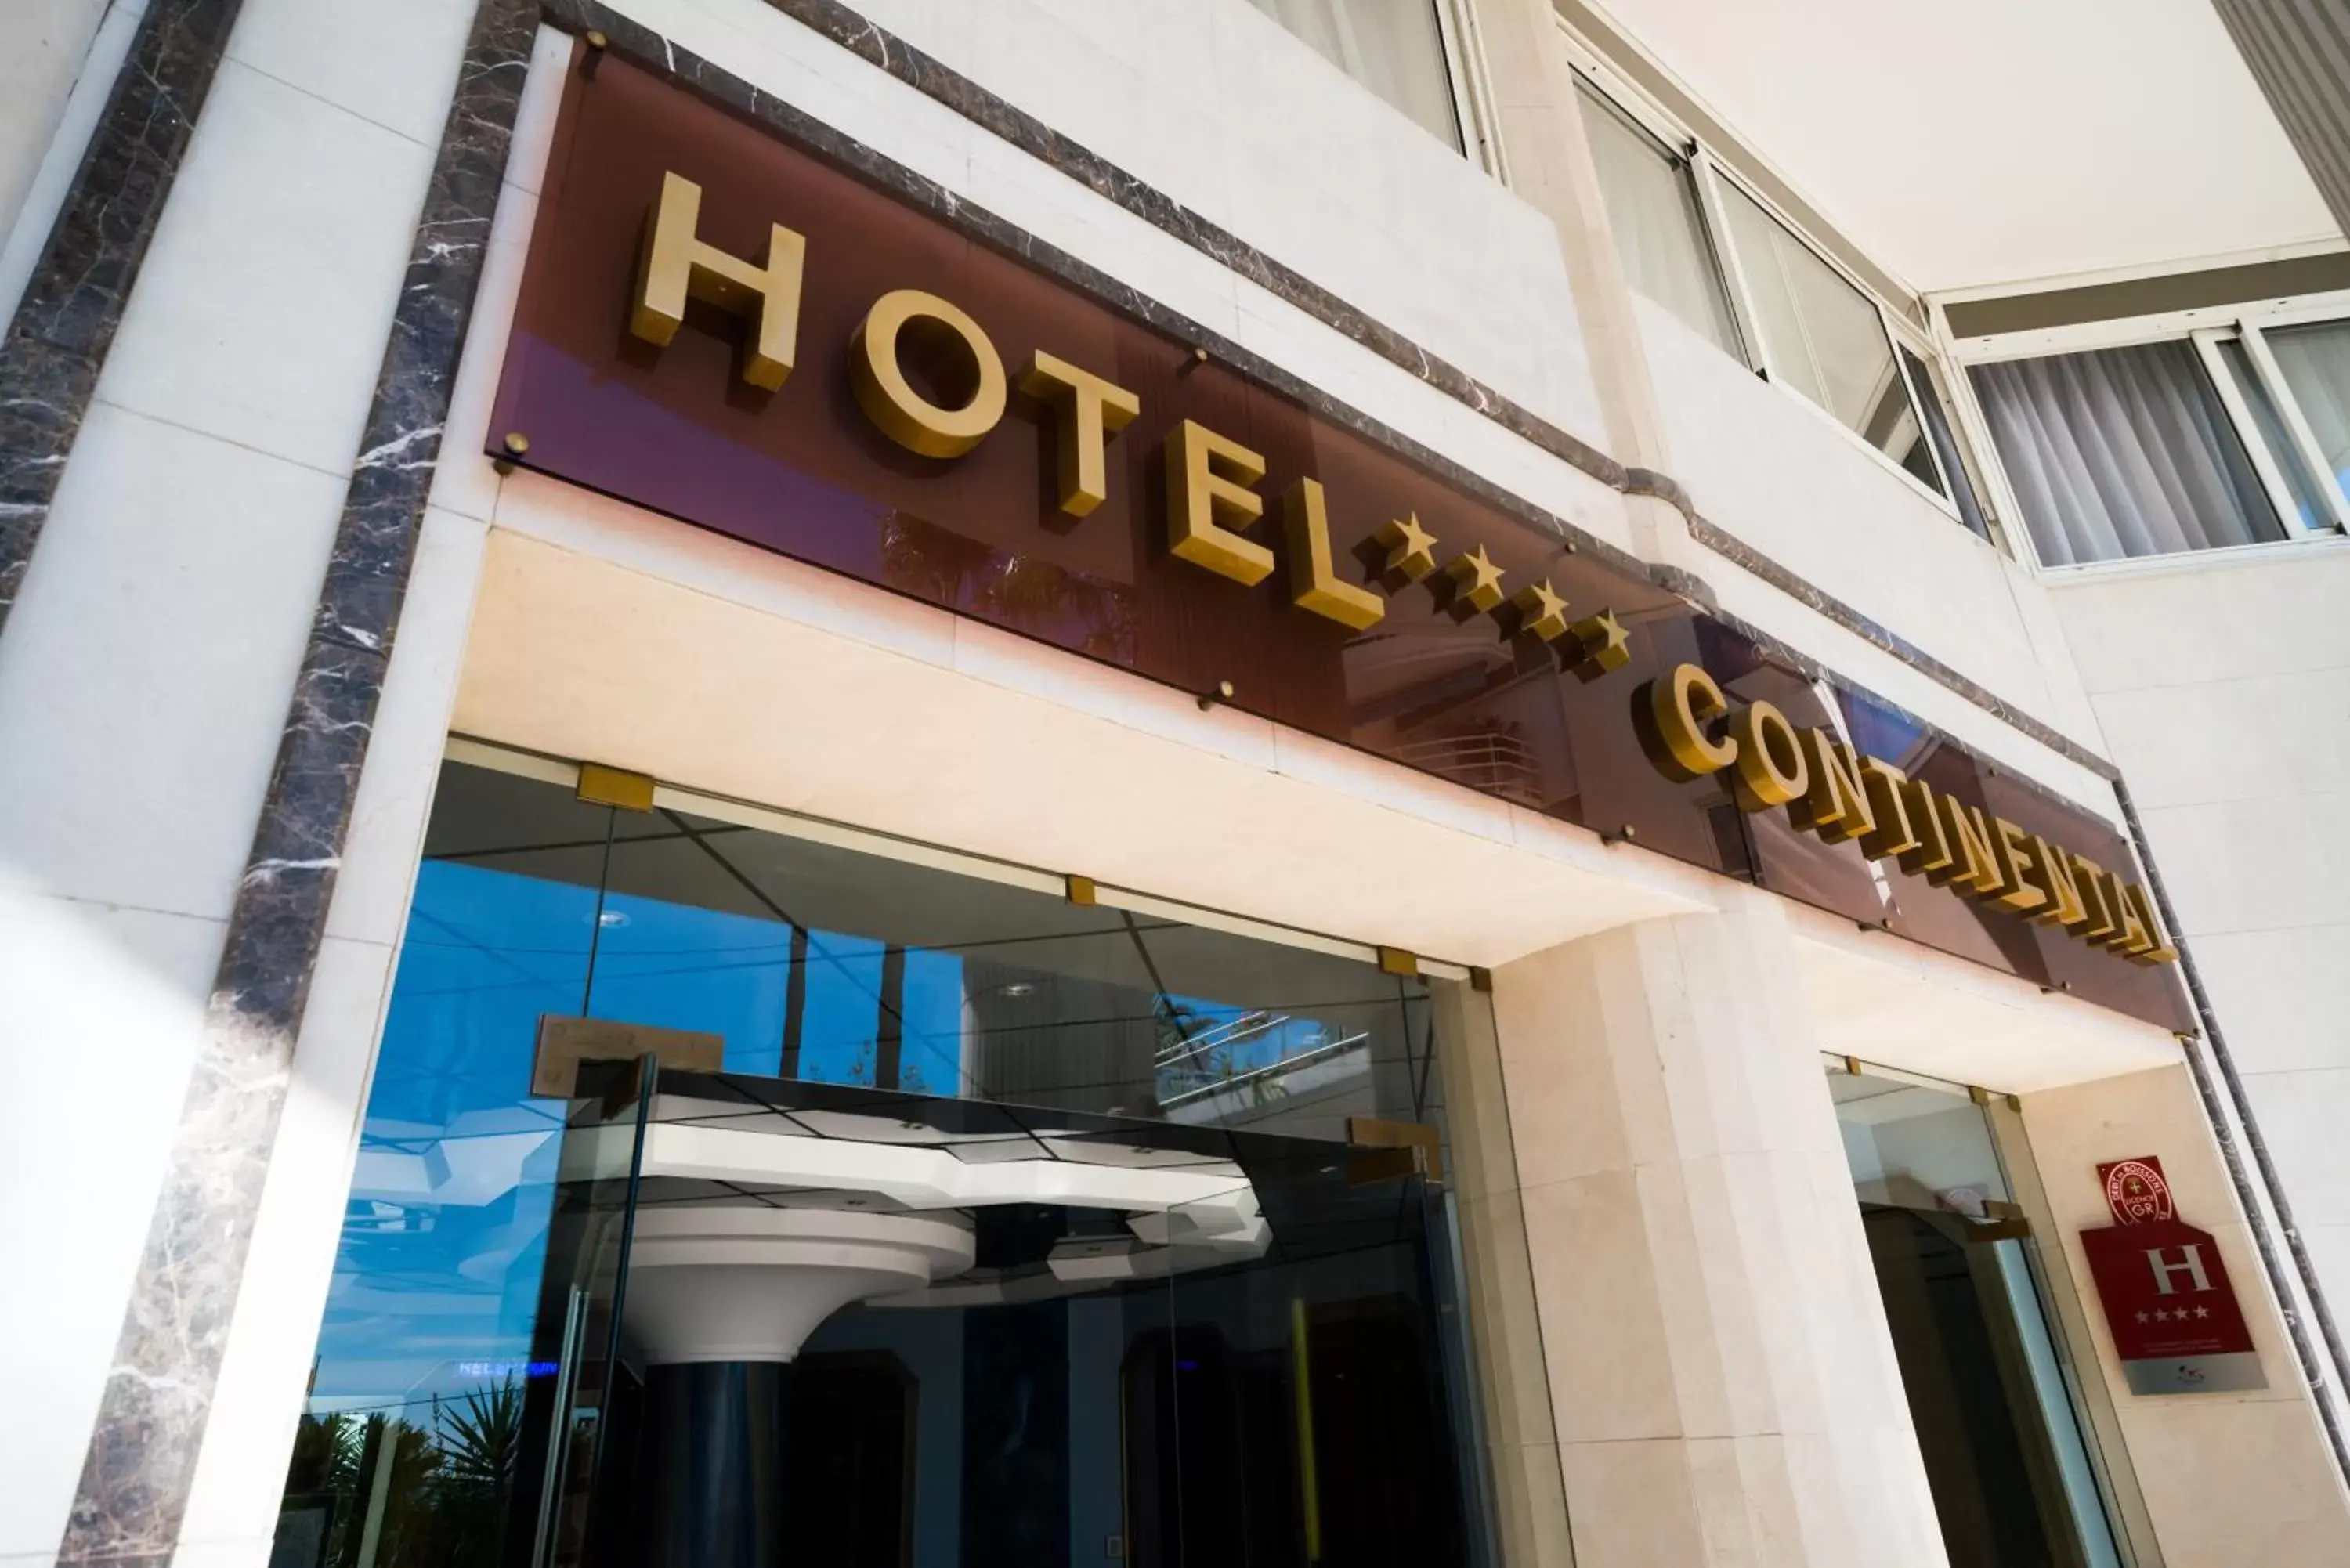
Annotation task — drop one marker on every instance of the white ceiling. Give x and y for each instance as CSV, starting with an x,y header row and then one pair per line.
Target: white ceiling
x,y
1999,141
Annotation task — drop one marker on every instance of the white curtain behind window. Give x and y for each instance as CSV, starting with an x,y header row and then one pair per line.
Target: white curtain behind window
x,y
1395,47
2121,452
1660,231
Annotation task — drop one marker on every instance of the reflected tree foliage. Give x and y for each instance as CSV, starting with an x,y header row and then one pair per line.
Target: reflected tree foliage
x,y
388,1491
1010,587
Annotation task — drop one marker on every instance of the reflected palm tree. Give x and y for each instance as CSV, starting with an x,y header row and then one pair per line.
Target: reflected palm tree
x,y
1009,587
400,1495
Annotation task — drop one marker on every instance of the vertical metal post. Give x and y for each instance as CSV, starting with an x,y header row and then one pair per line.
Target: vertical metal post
x,y
550,1485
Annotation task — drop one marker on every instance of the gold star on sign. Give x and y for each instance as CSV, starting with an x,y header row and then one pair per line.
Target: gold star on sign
x,y
1541,612
1411,549
1477,581
1601,645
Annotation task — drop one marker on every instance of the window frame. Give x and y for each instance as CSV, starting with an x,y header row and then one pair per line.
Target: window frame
x,y
1708,173
1471,81
1467,83
2203,328
501,757
1713,178
1683,156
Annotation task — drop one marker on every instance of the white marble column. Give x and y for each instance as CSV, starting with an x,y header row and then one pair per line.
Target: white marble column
x,y
1721,1379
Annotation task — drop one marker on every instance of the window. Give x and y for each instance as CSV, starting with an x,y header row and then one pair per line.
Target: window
x,y
2304,492
2210,437
1395,47
1652,205
1993,1396
1705,248
2314,364
1822,336
1932,400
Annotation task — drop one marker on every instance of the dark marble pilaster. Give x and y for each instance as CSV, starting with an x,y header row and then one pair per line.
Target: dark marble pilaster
x,y
57,342
151,1425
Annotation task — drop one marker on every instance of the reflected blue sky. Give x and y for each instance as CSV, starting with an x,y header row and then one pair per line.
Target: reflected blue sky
x,y
436,1283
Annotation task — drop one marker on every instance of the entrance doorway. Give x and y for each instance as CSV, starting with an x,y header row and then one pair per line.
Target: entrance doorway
x,y
1992,1393
1227,1354
740,1189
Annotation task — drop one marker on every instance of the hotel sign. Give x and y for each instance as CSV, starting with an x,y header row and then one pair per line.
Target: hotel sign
x,y
1842,795
2178,1328
724,327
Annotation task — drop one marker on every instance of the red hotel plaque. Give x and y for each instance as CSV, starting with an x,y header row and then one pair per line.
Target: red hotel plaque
x,y
2175,1322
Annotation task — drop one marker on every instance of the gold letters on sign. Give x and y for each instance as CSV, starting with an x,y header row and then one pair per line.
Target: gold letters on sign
x,y
676,266
928,378
1320,587
1831,791
1091,411
1208,500
877,370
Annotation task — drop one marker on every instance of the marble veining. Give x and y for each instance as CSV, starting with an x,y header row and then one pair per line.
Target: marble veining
x,y
1731,548
58,340
868,41
640,43
871,42
142,1452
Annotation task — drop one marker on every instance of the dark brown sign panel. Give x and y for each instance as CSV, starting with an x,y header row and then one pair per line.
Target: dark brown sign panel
x,y
1367,599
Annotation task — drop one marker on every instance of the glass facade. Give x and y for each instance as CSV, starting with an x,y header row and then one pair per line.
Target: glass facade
x,y
1108,1373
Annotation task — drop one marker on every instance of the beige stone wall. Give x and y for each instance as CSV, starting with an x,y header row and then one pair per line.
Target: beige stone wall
x,y
1721,1378
2227,1478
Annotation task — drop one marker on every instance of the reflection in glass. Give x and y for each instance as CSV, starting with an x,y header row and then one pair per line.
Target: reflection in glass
x,y
1988,1384
1822,336
477,1399
1945,442
2316,362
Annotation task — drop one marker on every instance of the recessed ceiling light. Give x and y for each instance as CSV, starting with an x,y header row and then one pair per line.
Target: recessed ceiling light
x,y
1019,988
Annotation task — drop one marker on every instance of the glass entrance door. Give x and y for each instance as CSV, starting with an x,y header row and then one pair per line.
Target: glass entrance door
x,y
970,1221
1989,1390
875,1329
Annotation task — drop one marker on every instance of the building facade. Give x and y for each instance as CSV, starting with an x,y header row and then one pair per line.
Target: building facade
x,y
1288,780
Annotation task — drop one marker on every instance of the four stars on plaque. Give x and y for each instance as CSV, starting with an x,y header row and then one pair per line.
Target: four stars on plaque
x,y
1589,647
